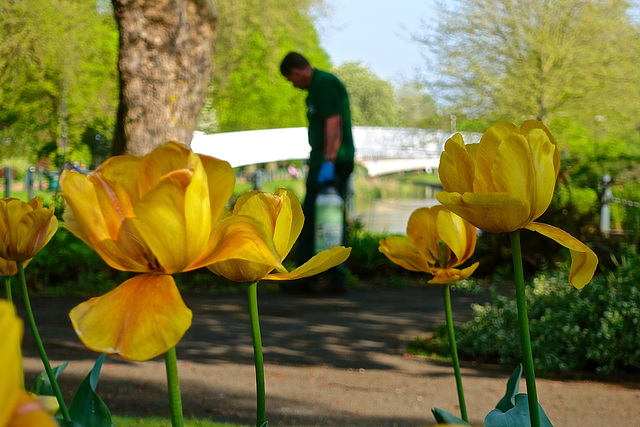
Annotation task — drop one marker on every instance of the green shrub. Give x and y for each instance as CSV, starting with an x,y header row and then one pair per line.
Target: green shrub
x,y
365,258
593,329
67,266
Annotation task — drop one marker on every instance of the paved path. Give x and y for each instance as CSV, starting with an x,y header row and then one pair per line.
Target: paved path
x,y
330,361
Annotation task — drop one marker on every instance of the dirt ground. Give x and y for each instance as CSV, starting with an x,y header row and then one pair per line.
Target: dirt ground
x,y
330,361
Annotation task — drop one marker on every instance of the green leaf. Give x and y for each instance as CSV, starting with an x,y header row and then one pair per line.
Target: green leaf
x,y
87,408
518,416
443,417
42,386
265,424
508,401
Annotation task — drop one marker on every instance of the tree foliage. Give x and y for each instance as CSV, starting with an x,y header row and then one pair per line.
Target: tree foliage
x,y
248,91
372,99
568,62
50,49
418,109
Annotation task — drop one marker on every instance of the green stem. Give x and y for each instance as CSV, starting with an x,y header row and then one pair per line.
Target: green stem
x,y
173,384
7,285
525,339
36,337
454,351
257,354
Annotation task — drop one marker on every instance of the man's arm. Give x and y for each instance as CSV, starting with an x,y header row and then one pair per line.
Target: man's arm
x,y
332,136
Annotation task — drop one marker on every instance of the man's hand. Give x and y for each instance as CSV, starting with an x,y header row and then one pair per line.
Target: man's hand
x,y
327,172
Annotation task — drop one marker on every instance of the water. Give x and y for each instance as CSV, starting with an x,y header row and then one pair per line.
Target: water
x,y
388,215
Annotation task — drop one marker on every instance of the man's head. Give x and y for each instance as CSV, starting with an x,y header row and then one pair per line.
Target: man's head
x,y
297,70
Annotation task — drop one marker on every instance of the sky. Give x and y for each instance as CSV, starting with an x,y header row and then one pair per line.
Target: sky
x,y
376,33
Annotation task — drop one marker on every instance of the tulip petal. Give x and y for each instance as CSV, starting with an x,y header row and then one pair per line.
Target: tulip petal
x,y
422,230
457,168
494,212
8,268
15,209
126,252
117,244
450,275
221,182
525,129
29,412
198,219
162,161
511,170
12,328
457,234
543,172
243,199
83,216
35,230
263,207
583,260
174,165
120,175
241,238
11,211
240,270
24,228
140,319
523,167
402,251
487,149
161,222
289,223
488,146
317,264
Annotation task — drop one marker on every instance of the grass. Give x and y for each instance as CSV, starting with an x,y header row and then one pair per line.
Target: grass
x,y
165,422
423,178
47,197
295,185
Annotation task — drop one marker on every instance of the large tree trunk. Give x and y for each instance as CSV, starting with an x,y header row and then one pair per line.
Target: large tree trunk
x,y
166,61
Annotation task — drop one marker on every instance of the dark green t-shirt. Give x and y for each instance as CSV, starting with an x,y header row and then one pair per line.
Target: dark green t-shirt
x,y
328,97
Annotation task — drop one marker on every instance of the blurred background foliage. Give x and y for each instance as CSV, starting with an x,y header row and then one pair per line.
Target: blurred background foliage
x,y
569,63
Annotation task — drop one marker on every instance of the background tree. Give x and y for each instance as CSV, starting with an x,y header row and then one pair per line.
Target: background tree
x,y
248,91
50,50
372,99
569,61
418,109
166,54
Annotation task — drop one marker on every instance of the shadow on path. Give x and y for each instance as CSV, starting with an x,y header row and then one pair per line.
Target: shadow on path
x,y
344,331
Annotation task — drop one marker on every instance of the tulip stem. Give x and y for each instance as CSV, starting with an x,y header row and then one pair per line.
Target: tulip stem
x,y
36,337
257,354
7,285
454,351
525,339
173,384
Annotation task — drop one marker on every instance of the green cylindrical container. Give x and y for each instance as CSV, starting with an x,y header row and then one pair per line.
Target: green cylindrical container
x,y
329,222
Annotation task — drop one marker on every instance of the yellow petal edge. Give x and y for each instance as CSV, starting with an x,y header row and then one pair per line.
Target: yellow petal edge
x,y
583,260
146,317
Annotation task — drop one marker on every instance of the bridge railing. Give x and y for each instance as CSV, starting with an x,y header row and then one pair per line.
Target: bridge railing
x,y
272,145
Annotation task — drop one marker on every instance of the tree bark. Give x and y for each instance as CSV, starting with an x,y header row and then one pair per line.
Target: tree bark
x,y
166,62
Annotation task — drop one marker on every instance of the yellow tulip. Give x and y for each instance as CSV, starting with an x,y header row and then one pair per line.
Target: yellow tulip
x,y
421,250
159,214
9,268
282,216
25,228
505,182
17,408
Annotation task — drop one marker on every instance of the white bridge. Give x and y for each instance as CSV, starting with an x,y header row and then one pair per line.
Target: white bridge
x,y
380,150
